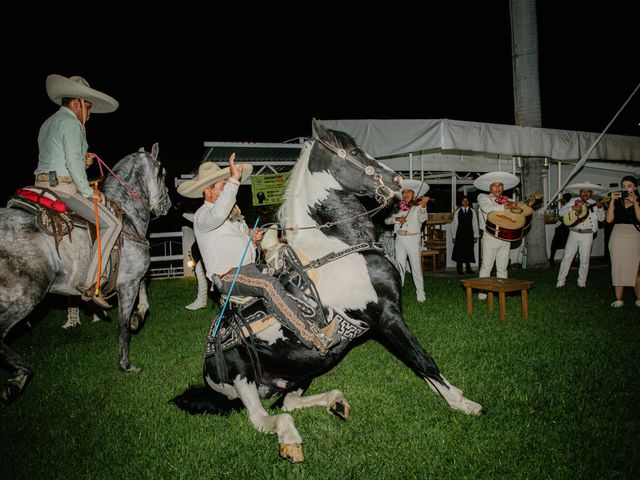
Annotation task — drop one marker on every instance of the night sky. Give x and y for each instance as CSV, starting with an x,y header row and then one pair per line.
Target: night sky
x,y
233,78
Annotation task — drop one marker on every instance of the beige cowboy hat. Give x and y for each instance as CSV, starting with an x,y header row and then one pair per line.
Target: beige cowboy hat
x,y
208,174
484,182
586,185
59,87
418,186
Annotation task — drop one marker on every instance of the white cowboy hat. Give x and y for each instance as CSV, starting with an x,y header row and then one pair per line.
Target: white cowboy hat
x,y
418,186
59,87
484,182
208,174
586,185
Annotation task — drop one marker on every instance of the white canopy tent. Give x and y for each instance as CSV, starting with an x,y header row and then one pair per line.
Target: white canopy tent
x,y
454,151
393,138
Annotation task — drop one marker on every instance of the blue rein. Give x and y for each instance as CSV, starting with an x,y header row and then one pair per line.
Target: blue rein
x,y
235,277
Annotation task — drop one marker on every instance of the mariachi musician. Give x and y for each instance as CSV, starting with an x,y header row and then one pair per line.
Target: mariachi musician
x,y
407,225
581,235
494,249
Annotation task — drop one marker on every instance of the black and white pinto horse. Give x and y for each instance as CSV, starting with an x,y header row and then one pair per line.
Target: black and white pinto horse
x,y
30,266
321,193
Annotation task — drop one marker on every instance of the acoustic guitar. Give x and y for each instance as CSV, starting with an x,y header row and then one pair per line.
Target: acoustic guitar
x,y
511,225
574,218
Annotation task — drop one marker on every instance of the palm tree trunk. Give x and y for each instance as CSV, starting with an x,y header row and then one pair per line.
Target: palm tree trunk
x,y
528,112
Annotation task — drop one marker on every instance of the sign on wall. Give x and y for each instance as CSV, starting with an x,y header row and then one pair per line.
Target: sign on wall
x,y
268,189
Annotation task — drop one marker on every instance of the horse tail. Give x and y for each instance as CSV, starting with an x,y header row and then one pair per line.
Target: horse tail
x,y
198,400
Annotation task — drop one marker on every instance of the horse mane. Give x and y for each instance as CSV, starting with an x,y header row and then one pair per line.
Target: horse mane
x,y
294,185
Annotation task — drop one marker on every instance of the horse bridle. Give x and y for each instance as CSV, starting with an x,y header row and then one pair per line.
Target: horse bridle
x,y
382,193
161,197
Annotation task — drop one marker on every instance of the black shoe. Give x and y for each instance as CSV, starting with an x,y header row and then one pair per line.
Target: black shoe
x,y
470,272
459,272
101,302
89,294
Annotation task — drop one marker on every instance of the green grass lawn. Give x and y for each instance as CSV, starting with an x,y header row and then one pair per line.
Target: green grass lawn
x,y
561,393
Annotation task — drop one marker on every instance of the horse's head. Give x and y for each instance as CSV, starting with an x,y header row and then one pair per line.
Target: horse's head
x,y
353,168
139,180
159,201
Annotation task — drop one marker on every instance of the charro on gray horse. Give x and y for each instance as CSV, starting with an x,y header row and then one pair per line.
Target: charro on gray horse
x,y
33,264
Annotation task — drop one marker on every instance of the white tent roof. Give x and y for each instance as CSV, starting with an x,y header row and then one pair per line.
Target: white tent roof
x,y
386,138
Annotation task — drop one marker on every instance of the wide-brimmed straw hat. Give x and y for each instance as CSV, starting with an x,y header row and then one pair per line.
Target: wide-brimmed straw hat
x,y
586,185
59,87
484,182
208,174
418,186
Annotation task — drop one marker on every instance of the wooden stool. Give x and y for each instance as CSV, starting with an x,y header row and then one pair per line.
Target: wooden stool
x,y
433,255
501,286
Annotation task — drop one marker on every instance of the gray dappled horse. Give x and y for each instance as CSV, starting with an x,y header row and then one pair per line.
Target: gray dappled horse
x,y
323,217
30,266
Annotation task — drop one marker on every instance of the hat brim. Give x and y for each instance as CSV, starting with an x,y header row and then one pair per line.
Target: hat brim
x,y
576,187
484,182
418,186
59,87
193,188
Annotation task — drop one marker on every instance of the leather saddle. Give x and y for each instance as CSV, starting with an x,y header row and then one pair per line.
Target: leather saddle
x,y
55,219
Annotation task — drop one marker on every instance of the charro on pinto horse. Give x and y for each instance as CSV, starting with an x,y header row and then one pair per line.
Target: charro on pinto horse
x,y
33,263
325,222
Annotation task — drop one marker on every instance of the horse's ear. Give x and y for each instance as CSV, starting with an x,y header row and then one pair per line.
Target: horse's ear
x,y
318,130
155,151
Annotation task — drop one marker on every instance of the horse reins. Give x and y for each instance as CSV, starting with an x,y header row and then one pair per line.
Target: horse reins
x,y
129,189
382,191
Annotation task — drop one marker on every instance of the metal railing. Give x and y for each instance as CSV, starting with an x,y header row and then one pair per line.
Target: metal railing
x,y
170,262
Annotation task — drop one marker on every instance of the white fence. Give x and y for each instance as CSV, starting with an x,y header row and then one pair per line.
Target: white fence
x,y
168,256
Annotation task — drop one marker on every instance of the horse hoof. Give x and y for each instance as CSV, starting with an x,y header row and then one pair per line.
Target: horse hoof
x,y
291,452
474,408
130,368
137,322
340,409
9,393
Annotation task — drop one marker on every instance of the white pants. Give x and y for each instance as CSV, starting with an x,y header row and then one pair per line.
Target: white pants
x,y
577,242
409,247
494,250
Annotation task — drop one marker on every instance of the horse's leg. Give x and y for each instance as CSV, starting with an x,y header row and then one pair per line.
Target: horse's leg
x,y
334,401
16,366
289,440
142,309
126,297
17,301
395,334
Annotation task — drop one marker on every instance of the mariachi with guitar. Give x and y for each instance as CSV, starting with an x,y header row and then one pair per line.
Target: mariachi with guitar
x,y
512,223
578,210
506,219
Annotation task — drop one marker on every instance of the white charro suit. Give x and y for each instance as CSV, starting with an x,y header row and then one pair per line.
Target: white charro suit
x,y
493,249
580,240
408,243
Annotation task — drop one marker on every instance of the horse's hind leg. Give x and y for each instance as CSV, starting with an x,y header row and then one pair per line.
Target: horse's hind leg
x,y
21,370
334,401
289,440
142,309
126,296
395,334
454,396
